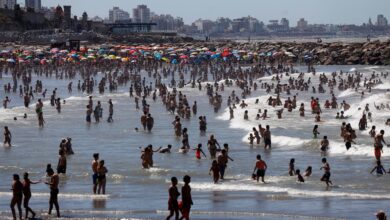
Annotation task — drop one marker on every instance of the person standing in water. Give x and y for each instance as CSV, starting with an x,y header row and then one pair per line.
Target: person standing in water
x,y
53,183
223,160
261,167
315,131
198,151
215,170
173,205
186,198
378,145
291,169
326,177
324,145
110,111
101,177
7,137
88,114
39,111
95,164
27,194
61,167
17,196
212,144
267,137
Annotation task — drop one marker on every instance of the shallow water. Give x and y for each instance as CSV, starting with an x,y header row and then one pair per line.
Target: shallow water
x,y
133,192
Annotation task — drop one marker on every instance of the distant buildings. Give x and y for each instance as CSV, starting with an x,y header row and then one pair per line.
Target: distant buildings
x,y
142,19
275,27
167,23
381,21
8,4
204,26
116,14
302,24
35,5
141,14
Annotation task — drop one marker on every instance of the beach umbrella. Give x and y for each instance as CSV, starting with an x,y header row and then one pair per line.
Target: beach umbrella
x,y
54,50
43,61
215,56
5,52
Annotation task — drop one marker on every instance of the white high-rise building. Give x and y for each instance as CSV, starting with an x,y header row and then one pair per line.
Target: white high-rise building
x,y
116,14
9,4
141,14
34,4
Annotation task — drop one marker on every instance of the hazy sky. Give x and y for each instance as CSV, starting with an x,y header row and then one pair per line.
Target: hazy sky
x,y
315,11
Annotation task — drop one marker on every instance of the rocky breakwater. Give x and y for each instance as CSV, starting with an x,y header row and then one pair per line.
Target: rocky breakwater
x,y
336,53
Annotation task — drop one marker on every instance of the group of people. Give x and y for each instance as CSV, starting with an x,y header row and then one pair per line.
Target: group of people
x,y
177,104
21,192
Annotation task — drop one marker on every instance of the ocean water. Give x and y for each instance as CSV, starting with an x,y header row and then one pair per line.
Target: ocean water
x,y
136,193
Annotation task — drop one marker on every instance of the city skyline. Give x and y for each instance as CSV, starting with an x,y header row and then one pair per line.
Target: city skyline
x,y
312,11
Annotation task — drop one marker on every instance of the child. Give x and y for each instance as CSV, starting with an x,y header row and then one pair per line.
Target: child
x,y
308,171
251,138
291,169
326,177
300,178
199,150
215,169
173,205
379,169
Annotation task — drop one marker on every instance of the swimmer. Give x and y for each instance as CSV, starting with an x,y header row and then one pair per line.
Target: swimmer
x,y
308,171
166,149
300,178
